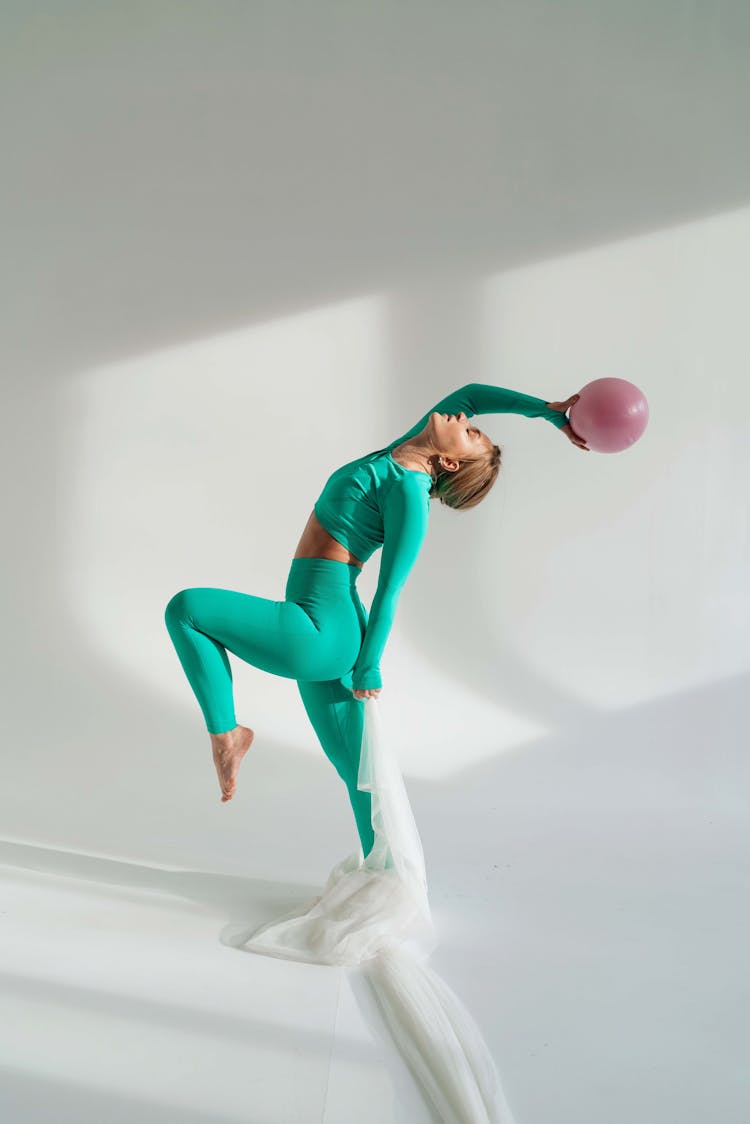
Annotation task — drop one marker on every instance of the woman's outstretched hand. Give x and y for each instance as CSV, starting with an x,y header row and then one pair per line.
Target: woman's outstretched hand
x,y
568,430
371,694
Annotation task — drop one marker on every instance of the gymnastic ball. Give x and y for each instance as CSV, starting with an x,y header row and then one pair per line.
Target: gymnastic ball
x,y
610,414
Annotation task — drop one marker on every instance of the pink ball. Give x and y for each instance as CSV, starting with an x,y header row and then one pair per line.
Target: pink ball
x,y
610,415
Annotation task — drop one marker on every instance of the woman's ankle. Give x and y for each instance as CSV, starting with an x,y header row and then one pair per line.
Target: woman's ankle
x,y
224,736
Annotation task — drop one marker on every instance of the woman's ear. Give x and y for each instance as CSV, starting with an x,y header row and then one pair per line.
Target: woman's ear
x,y
448,464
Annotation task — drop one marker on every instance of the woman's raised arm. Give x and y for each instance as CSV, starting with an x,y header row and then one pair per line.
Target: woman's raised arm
x,y
483,398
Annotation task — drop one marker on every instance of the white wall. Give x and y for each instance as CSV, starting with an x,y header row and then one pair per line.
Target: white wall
x,y
246,243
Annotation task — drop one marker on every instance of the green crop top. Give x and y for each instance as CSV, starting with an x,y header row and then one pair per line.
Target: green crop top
x,y
374,501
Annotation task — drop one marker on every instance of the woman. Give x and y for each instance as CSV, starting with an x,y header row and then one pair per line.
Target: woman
x,y
321,634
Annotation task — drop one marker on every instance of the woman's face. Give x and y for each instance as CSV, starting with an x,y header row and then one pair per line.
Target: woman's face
x,y
456,438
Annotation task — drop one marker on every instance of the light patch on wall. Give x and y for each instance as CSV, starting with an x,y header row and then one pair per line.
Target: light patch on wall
x,y
198,465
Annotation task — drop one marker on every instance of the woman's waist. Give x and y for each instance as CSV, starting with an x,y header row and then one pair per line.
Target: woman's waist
x,y
317,581
317,542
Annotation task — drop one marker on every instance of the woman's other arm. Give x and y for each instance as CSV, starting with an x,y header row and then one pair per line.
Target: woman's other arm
x,y
405,519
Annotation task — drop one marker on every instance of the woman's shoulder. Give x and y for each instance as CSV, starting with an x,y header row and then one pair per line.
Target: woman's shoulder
x,y
409,491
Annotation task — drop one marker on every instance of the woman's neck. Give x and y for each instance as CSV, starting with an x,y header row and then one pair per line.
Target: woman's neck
x,y
414,454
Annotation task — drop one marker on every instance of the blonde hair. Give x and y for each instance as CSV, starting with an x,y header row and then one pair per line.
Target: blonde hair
x,y
470,483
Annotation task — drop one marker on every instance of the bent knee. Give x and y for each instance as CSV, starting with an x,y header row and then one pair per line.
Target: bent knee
x,y
178,607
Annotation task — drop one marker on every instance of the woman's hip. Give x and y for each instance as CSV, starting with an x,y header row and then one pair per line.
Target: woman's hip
x,y
326,590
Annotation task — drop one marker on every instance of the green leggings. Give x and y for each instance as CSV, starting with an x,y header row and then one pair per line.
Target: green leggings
x,y
313,636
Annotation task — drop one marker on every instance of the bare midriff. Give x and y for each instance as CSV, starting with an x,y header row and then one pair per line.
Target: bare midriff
x,y
316,542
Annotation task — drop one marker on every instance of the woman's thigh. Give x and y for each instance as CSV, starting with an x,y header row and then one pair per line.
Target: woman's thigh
x,y
275,636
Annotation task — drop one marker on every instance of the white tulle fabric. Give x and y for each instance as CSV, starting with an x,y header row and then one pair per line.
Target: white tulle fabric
x,y
374,913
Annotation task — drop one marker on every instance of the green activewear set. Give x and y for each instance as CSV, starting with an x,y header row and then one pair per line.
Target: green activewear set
x,y
321,635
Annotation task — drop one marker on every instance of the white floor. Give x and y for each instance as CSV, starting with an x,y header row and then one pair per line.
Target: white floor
x,y
590,892
601,950
121,1001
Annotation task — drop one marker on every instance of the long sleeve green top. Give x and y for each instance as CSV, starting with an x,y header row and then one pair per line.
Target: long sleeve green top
x,y
374,501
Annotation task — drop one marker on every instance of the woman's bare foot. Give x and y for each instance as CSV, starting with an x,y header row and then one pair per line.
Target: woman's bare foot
x,y
228,750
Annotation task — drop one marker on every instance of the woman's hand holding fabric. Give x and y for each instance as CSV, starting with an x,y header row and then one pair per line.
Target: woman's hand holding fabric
x,y
371,694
